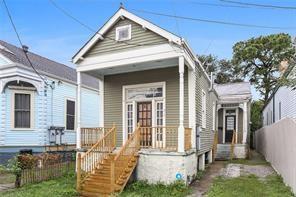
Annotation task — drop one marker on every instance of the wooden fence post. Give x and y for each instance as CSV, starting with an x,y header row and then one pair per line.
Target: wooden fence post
x,y
78,184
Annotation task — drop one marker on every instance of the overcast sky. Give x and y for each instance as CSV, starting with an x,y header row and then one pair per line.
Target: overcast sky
x,y
50,33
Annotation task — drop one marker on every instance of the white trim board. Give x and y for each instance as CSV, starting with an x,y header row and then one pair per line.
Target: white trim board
x,y
134,102
32,109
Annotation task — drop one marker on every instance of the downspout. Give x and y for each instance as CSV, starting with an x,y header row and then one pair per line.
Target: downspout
x,y
212,82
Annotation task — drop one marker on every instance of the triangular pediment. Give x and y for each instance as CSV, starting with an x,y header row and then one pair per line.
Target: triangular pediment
x,y
144,33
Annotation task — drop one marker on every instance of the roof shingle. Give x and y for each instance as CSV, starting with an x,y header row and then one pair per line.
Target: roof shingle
x,y
16,54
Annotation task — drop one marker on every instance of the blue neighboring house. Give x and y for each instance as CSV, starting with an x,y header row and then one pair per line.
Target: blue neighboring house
x,y
30,106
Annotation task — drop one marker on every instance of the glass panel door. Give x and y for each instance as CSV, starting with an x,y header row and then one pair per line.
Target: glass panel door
x,y
144,116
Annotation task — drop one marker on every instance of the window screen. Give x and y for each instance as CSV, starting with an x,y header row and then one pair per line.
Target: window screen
x,y
70,122
123,33
22,110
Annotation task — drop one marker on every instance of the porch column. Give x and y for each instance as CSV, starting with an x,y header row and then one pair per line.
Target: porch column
x,y
245,122
78,134
101,111
181,130
224,125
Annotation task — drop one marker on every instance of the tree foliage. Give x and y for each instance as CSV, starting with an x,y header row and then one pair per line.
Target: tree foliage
x,y
224,70
259,59
256,118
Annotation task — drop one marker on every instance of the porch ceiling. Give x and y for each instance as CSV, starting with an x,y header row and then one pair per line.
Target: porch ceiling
x,y
135,67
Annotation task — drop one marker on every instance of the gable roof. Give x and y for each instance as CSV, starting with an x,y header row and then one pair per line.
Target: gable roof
x,y
47,66
233,90
121,12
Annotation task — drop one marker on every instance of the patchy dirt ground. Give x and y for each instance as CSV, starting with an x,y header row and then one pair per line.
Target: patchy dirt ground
x,y
200,187
6,187
256,166
236,170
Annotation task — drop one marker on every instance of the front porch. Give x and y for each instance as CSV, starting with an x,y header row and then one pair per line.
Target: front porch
x,y
146,149
232,129
164,139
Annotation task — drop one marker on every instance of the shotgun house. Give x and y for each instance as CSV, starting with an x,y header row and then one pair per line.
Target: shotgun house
x,y
233,119
38,113
158,107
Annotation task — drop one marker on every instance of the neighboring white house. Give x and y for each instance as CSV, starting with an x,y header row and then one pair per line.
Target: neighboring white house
x,y
282,102
41,115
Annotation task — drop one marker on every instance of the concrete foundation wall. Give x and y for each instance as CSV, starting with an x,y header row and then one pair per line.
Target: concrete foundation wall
x,y
165,167
240,151
277,143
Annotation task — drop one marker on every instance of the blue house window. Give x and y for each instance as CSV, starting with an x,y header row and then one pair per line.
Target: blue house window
x,y
22,110
70,115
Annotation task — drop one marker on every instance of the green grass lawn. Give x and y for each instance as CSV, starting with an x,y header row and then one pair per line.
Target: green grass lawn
x,y
246,186
65,187
143,189
62,187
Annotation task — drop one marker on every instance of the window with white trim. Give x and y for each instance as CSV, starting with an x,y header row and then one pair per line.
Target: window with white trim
x,y
203,109
159,113
70,114
159,121
123,33
129,118
22,110
144,93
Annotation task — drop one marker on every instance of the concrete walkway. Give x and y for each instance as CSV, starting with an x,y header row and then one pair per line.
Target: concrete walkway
x,y
199,188
6,187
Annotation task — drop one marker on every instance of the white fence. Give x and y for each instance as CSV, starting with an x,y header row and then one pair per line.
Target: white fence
x,y
277,143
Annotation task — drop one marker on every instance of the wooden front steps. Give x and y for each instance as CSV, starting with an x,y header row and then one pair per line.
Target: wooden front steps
x,y
98,183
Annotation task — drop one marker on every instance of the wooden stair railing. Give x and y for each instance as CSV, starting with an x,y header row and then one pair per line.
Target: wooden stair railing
x,y
187,139
91,135
215,144
125,161
233,142
87,163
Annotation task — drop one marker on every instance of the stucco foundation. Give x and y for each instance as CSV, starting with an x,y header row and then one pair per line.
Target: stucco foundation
x,y
240,151
166,167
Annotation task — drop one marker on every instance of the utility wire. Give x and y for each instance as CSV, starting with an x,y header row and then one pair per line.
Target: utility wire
x,y
66,13
219,5
214,21
23,47
260,5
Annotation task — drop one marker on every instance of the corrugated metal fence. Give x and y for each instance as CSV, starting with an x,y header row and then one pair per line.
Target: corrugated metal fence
x,y
277,143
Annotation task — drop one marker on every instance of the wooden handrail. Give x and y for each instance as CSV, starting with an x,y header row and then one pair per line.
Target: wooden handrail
x,y
215,143
87,163
90,135
233,141
187,139
159,137
124,156
98,142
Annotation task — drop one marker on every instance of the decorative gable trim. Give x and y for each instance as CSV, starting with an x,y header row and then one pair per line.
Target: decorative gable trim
x,y
115,18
